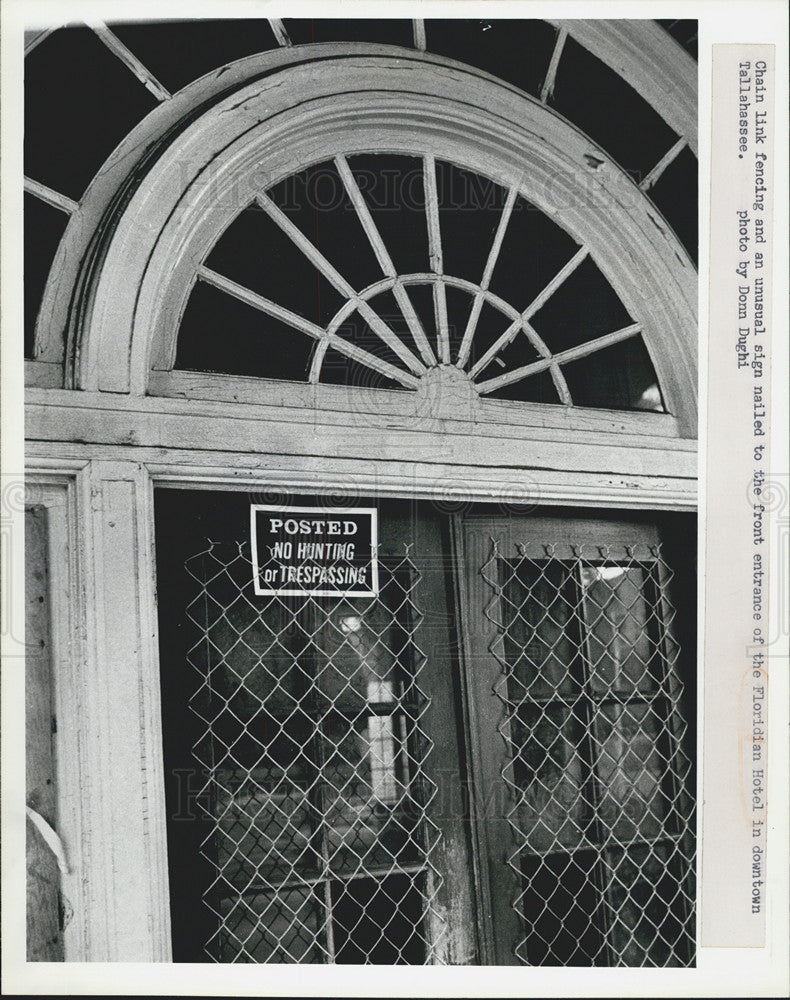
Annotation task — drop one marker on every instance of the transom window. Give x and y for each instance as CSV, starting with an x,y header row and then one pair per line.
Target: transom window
x,y
375,269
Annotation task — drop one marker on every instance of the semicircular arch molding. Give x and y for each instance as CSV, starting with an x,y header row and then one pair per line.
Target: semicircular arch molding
x,y
130,307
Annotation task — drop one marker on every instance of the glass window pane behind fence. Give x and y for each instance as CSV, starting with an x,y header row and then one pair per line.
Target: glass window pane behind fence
x,y
311,759
602,820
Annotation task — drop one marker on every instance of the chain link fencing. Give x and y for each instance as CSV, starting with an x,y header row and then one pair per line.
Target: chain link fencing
x,y
601,818
314,791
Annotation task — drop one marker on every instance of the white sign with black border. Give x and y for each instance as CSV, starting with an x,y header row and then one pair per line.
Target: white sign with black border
x,y
314,551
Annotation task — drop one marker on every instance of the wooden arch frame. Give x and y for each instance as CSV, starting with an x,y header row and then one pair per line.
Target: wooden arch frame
x,y
129,307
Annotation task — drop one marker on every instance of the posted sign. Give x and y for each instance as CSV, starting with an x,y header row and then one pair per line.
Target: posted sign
x,y
314,552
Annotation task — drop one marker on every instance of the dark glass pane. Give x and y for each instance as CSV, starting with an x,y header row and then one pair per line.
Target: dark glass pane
x,y
315,200
620,377
387,31
80,101
616,616
542,641
536,389
254,252
364,657
392,186
44,227
652,902
369,819
676,194
516,51
519,352
378,922
548,768
491,324
221,334
562,911
248,649
265,824
178,52
584,307
286,926
470,207
630,766
598,100
533,251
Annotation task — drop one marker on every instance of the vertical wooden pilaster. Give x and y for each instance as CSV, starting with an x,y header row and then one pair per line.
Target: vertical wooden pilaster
x,y
124,863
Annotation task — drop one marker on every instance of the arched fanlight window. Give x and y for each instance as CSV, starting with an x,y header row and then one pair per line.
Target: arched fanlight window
x,y
376,269
547,279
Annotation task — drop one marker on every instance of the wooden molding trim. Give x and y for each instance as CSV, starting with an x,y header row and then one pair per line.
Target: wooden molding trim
x,y
109,759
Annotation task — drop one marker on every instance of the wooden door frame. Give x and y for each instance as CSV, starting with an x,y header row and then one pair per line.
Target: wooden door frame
x,y
493,874
111,718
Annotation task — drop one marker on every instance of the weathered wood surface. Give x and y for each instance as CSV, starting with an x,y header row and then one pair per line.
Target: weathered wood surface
x,y
44,940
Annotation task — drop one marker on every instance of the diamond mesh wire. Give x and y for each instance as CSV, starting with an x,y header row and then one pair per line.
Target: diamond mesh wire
x,y
311,760
602,820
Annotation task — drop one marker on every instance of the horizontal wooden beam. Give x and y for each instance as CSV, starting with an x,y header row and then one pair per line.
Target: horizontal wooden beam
x,y
381,441
494,416
412,479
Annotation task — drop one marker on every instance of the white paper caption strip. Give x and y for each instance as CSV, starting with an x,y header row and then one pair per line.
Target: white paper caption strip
x,y
735,806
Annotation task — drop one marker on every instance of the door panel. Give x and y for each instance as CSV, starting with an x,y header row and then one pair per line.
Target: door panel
x,y
579,725
319,740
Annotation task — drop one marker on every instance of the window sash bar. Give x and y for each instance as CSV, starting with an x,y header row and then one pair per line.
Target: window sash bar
x,y
280,32
50,196
652,177
130,60
265,305
435,256
319,261
530,311
572,354
493,257
383,257
547,90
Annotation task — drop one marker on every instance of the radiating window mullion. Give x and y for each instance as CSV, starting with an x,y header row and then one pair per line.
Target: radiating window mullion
x,y
493,257
549,289
265,305
383,257
435,257
563,357
330,272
